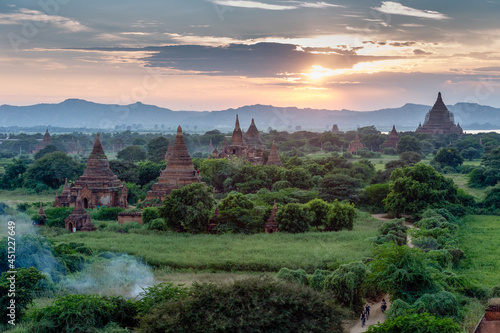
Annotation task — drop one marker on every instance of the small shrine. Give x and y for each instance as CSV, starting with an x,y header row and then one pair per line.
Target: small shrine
x,y
439,120
393,140
47,140
271,225
274,157
79,220
355,145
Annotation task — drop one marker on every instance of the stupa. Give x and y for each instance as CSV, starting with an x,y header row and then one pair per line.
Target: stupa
x,y
271,225
79,220
47,140
98,186
335,129
439,120
179,171
252,136
274,157
355,145
392,141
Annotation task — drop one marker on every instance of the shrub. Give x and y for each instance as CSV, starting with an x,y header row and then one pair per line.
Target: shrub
x,y
106,213
149,213
151,296
416,323
56,216
293,218
346,283
341,215
253,305
392,231
317,280
442,305
157,224
281,185
298,276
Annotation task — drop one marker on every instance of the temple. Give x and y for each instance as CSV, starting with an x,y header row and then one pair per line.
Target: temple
x,y
212,224
439,120
79,220
47,140
271,225
179,171
393,140
274,157
355,145
249,149
98,186
335,129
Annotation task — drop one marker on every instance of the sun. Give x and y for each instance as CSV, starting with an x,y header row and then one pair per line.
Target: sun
x,y
317,73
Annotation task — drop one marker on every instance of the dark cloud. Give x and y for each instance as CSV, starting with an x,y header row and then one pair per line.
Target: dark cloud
x,y
421,52
402,44
488,69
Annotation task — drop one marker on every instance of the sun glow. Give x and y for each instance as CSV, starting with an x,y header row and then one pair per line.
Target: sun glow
x,y
318,72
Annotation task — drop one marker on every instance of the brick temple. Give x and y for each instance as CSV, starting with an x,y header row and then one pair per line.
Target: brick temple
x,y
79,220
393,140
439,120
98,186
355,145
47,140
274,157
179,171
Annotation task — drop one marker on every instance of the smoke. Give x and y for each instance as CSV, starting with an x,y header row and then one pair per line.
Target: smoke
x,y
123,275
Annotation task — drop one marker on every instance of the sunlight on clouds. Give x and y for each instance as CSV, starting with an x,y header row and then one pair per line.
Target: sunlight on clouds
x,y
395,8
23,15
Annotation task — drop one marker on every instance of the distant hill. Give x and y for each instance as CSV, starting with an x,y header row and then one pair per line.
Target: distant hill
x,y
76,113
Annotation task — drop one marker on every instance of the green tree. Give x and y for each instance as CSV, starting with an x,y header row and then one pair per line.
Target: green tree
x,y
341,215
346,283
409,143
149,214
298,177
416,323
471,153
52,170
216,171
132,154
320,209
47,150
13,176
188,208
236,214
414,189
149,171
448,157
339,186
157,148
293,218
125,170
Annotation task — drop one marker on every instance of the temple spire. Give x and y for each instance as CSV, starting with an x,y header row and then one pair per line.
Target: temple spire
x,y
274,157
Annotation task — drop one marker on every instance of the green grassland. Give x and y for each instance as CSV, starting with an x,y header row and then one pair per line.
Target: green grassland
x,y
12,198
461,181
231,252
479,239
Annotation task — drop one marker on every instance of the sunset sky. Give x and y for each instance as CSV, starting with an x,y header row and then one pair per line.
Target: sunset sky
x,y
216,54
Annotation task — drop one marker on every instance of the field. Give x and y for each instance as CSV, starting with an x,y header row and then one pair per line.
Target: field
x,y
12,198
260,252
461,181
479,238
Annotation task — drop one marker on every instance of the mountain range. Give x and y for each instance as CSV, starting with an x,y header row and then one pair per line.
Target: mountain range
x,y
77,113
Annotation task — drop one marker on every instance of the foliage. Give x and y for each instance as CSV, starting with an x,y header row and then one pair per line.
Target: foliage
x,y
237,214
13,176
52,170
340,187
151,296
250,305
492,199
320,209
83,313
409,143
132,153
299,276
47,150
157,148
375,194
56,216
106,213
149,214
125,171
216,171
298,177
149,171
403,272
346,283
416,323
293,218
26,283
340,215
392,231
449,157
188,208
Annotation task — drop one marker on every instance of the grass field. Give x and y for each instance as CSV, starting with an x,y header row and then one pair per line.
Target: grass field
x,y
479,239
12,198
260,252
461,181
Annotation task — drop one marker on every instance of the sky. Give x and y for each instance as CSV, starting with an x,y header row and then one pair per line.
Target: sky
x,y
218,54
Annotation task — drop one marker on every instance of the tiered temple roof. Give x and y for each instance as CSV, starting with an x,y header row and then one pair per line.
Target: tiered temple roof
x,y
47,140
274,157
179,171
237,139
392,141
79,220
439,120
271,225
252,137
355,145
98,186
169,151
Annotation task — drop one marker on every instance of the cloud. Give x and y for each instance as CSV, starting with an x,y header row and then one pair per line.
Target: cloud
x,y
23,15
488,69
395,8
251,4
320,4
421,52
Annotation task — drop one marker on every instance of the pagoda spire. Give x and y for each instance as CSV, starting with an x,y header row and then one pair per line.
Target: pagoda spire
x,y
274,157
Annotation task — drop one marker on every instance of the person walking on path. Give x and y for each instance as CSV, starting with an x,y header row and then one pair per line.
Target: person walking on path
x,y
363,319
383,307
367,310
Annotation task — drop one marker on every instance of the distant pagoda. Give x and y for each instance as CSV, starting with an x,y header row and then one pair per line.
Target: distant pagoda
x,y
271,224
98,186
355,145
439,120
179,171
252,136
274,157
393,140
335,129
47,140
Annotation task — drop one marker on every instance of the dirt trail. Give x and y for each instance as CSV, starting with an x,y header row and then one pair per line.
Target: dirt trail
x,y
382,217
376,316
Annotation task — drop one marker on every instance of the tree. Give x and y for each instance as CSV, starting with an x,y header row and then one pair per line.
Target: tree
x,y
403,272
448,157
188,208
236,214
339,186
409,143
416,323
341,215
346,283
149,171
157,148
132,154
293,218
414,189
47,150
471,153
52,170
320,208
13,176
298,177
216,171
125,171
373,141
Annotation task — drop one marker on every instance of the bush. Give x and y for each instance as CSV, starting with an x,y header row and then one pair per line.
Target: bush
x,y
346,285
56,216
281,185
392,231
299,276
442,305
157,224
253,305
293,218
149,213
341,215
416,323
105,213
154,295
317,280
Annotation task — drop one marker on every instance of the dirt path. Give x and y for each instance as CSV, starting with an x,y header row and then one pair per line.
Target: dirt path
x,y
382,217
376,316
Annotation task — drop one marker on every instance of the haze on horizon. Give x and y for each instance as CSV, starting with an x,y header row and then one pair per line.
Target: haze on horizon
x,y
217,54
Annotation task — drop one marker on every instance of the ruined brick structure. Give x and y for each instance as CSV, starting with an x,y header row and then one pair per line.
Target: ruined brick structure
x,y
355,145
98,186
212,224
79,220
335,129
179,171
271,225
274,157
47,140
439,120
126,217
490,323
393,140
